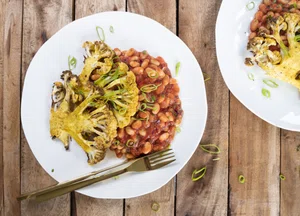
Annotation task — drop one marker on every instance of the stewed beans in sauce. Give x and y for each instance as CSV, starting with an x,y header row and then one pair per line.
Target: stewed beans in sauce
x,y
153,127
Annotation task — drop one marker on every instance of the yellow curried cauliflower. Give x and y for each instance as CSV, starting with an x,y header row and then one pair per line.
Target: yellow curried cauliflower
x,y
283,65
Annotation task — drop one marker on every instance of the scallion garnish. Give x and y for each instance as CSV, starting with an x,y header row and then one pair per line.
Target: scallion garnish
x,y
295,5
153,98
153,74
111,29
145,106
130,143
251,76
178,129
116,177
266,93
52,170
242,179
149,88
282,177
297,38
270,83
207,148
72,61
155,206
206,76
122,111
250,5
202,173
116,142
177,67
216,159
101,37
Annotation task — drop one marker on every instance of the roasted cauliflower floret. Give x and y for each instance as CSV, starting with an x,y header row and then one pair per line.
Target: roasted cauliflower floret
x,y
121,91
99,59
284,64
88,121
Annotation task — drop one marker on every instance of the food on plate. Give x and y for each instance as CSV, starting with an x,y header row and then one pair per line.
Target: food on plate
x,y
126,101
159,113
275,40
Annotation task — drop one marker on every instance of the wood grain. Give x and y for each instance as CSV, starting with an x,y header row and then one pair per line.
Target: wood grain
x,y
87,205
41,20
208,196
2,13
290,168
165,13
11,23
254,153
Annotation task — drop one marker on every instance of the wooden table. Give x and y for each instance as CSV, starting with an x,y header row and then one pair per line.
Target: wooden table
x,y
249,145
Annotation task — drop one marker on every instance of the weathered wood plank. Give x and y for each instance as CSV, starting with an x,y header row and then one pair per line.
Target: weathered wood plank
x,y
87,205
2,6
41,20
165,13
254,153
290,168
208,196
11,39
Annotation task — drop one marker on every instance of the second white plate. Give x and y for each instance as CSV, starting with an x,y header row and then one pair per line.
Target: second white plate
x,y
282,109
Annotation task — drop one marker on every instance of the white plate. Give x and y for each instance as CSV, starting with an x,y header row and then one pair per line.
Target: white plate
x,y
232,30
130,30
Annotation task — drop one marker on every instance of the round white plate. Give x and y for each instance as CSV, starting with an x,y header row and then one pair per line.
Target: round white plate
x,y
130,30
232,30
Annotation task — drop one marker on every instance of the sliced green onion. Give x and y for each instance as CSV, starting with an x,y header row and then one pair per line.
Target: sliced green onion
x,y
130,143
145,106
122,111
178,129
266,93
297,38
72,62
52,170
251,76
207,148
145,52
155,206
153,74
206,76
116,142
282,177
250,5
116,177
149,88
270,83
295,5
284,49
111,29
101,37
242,179
216,159
202,173
153,98
177,67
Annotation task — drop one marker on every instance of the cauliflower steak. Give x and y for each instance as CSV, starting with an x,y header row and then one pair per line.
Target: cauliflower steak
x,y
282,63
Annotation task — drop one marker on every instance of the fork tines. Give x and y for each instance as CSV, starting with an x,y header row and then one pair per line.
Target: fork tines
x,y
163,158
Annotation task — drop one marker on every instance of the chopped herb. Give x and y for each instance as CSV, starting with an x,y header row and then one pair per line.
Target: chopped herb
x,y
145,106
250,5
72,61
102,35
207,148
155,206
178,129
149,88
130,143
52,170
116,177
202,172
266,93
251,76
177,67
282,177
145,52
153,74
111,29
295,5
242,179
206,76
270,83
216,159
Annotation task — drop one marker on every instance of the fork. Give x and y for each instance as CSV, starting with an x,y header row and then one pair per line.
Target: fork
x,y
150,162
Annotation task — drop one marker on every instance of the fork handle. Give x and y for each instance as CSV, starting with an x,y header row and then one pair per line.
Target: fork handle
x,y
76,186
